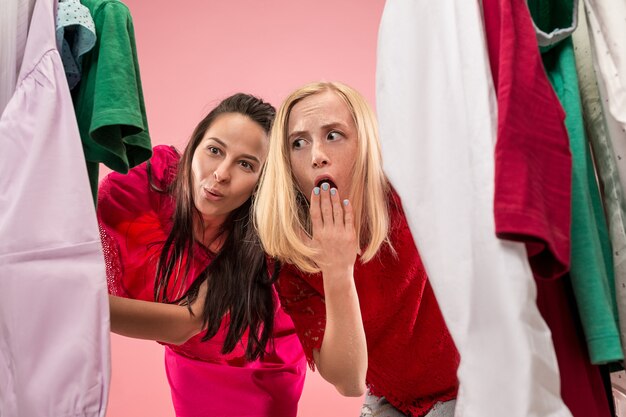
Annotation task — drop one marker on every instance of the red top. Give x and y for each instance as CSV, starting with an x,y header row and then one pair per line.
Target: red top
x,y
532,156
412,358
135,221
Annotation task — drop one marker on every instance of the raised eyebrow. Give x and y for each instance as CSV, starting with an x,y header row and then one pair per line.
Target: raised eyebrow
x,y
334,125
295,134
327,126
218,141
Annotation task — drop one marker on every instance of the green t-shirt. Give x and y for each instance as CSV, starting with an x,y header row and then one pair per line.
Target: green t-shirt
x,y
109,101
591,259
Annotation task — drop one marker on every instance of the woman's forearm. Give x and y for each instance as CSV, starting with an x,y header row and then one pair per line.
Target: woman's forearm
x,y
153,321
342,359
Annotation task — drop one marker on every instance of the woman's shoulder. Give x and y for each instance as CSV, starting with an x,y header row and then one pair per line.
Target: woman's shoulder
x,y
160,170
394,206
163,164
134,212
141,189
399,231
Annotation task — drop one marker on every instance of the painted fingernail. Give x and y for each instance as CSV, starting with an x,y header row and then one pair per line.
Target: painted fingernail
x,y
345,202
325,186
333,191
316,190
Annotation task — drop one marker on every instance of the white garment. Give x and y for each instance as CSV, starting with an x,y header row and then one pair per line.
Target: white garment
x,y
609,99
54,314
609,145
607,30
437,115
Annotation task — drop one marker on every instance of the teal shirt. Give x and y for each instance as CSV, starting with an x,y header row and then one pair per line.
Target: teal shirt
x,y
591,260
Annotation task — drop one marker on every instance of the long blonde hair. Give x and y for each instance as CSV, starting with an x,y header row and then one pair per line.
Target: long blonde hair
x,y
281,212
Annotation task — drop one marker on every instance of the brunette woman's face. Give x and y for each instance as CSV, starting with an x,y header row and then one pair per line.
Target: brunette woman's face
x,y
226,165
323,143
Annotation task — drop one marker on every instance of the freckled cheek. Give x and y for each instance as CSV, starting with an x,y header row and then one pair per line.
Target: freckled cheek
x,y
299,172
301,181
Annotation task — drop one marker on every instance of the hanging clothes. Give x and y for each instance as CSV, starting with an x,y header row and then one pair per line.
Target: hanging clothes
x,y
437,113
557,34
591,261
54,311
532,156
109,101
597,121
14,22
76,35
607,24
582,388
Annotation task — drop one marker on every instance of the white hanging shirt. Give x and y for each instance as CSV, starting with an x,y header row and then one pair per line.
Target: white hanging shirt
x,y
607,30
437,114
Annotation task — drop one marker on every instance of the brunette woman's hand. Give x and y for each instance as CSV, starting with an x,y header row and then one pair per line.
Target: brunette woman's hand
x,y
152,320
334,235
197,306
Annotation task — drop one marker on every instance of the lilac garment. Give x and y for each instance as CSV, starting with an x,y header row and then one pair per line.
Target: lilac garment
x,y
54,318
14,21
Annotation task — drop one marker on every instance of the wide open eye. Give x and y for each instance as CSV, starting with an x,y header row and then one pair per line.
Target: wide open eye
x,y
334,135
298,143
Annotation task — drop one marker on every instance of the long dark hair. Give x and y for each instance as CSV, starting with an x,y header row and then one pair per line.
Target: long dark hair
x,y
239,285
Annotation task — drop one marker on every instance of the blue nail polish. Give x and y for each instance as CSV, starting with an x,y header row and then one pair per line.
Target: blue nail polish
x,y
316,190
345,202
333,191
325,186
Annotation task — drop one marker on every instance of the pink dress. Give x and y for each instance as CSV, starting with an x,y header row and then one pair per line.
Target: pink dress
x,y
134,223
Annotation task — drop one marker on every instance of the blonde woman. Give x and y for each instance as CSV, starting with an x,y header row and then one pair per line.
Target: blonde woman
x,y
352,279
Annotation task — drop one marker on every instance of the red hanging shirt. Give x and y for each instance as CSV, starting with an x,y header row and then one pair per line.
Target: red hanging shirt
x,y
533,163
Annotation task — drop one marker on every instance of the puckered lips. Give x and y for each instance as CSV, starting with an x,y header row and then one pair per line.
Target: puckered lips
x,y
320,179
212,194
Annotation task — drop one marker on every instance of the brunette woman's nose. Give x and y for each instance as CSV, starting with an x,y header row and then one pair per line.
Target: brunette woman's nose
x,y
221,175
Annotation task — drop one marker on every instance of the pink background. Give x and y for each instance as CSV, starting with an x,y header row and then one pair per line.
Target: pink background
x,y
194,53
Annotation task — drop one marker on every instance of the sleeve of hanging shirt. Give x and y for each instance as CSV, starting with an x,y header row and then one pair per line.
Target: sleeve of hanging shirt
x,y
109,103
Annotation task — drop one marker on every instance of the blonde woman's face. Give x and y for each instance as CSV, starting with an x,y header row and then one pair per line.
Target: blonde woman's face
x,y
226,165
322,139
